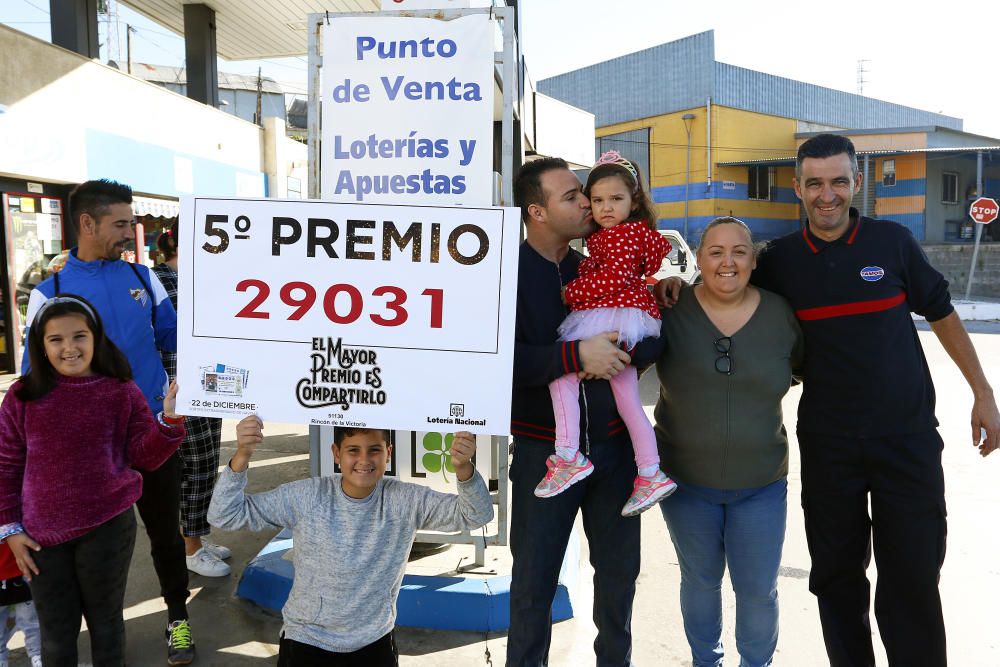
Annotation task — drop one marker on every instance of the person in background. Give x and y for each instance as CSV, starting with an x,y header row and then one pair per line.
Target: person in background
x,y
16,605
200,449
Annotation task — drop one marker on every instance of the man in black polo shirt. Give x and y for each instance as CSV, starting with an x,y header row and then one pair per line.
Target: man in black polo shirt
x,y
866,424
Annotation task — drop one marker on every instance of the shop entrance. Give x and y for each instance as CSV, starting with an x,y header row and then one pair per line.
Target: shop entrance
x,y
32,249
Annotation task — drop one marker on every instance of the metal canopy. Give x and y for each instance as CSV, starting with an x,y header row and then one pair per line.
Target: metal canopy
x,y
248,30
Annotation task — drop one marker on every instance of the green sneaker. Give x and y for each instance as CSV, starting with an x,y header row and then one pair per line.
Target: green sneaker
x,y
180,643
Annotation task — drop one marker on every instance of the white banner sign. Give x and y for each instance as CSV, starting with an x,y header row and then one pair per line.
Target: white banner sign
x,y
383,316
408,110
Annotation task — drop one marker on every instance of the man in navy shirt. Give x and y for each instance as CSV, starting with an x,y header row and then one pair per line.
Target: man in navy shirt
x,y
866,424
555,211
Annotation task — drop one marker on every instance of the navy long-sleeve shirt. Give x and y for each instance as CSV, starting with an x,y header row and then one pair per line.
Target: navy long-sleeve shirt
x,y
540,358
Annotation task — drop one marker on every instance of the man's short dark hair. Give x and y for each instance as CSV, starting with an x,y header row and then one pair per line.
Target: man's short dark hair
x,y
342,432
826,145
94,198
528,182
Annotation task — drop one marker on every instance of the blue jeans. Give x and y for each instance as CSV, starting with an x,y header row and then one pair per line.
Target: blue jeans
x,y
746,529
539,533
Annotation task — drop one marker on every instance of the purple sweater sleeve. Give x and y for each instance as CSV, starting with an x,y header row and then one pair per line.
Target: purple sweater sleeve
x,y
150,443
13,451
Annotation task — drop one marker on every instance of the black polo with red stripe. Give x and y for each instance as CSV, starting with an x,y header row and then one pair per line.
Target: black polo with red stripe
x,y
865,373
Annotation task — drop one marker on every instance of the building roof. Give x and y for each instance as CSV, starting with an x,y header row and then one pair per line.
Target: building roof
x,y
683,74
178,75
253,30
790,161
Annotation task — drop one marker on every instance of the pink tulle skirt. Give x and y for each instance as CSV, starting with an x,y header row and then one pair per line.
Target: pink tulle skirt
x,y
631,324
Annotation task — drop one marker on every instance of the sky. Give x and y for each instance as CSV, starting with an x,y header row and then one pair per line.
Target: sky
x,y
943,59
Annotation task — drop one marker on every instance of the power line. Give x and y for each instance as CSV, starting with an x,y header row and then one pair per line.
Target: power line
x,y
28,2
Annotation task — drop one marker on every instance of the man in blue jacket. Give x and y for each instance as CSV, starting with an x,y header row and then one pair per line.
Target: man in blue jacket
x,y
140,320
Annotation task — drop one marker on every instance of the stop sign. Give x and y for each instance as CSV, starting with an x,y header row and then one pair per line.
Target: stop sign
x,y
984,210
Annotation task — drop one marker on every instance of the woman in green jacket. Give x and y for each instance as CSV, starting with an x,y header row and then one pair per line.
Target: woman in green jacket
x,y
730,350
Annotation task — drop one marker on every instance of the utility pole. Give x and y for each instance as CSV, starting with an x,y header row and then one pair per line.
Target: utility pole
x,y
687,118
260,95
112,37
128,45
862,70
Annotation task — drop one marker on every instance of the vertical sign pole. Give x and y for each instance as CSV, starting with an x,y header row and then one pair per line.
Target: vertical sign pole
x,y
509,84
314,25
979,228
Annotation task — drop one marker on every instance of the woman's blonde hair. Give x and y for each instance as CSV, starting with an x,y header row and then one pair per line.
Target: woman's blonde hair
x,y
729,220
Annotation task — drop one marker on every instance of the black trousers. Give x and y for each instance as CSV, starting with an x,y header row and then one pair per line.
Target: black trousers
x,y
380,653
539,532
85,577
160,510
903,478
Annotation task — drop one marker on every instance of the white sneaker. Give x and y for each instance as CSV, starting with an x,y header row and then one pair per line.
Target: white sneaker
x,y
36,661
217,550
207,565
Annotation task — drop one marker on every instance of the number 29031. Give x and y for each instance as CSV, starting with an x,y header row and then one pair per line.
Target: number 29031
x,y
301,297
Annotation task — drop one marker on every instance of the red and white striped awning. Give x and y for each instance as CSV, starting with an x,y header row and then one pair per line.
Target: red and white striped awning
x,y
157,208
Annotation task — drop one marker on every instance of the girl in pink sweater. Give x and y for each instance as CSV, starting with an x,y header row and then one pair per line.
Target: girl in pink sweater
x,y
72,430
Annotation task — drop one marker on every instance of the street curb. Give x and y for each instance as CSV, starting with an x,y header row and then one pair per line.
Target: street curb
x,y
442,603
973,310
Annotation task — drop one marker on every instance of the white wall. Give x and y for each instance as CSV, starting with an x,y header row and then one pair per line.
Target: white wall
x,y
60,105
563,131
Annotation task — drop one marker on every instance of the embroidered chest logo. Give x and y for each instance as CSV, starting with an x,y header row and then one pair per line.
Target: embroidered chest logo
x,y
139,295
872,273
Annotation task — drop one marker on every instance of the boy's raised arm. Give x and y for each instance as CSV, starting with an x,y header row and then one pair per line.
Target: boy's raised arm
x,y
249,434
471,508
232,509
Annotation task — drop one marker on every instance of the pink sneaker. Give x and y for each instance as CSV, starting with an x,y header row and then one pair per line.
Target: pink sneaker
x,y
562,474
648,491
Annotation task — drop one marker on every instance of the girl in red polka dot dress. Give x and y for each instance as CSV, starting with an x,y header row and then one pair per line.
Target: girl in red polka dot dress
x,y
610,294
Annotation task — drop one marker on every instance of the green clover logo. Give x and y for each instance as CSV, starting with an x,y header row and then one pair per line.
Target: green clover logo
x,y
438,456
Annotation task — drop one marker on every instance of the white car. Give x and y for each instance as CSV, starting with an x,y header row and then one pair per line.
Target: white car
x,y
678,262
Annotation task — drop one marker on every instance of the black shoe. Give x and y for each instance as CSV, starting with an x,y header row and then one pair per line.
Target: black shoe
x,y
180,643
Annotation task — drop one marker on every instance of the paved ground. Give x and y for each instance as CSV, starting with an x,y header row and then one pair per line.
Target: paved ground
x,y
231,632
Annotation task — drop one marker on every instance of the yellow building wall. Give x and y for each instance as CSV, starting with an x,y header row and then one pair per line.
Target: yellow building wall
x,y
907,166
883,142
736,135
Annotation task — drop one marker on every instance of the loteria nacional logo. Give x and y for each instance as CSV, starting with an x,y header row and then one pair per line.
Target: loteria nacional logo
x,y
872,273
